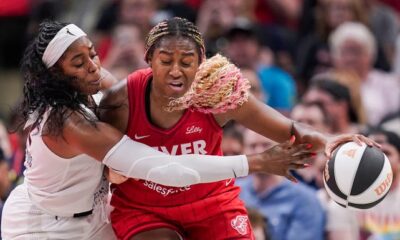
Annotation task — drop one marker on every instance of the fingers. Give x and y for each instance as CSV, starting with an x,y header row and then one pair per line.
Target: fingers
x,y
329,149
368,141
300,149
288,144
357,140
302,159
295,166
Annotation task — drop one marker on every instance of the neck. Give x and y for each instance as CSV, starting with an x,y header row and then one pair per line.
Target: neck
x,y
157,101
157,113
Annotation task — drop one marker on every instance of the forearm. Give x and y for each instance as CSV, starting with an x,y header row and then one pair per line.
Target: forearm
x,y
262,119
136,160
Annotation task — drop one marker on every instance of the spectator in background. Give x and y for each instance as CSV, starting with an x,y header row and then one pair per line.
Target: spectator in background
x,y
126,52
215,17
313,51
392,3
5,141
232,141
314,115
381,221
5,182
335,99
279,20
292,210
384,24
14,21
255,83
176,8
352,81
354,49
244,50
18,145
258,224
141,13
392,123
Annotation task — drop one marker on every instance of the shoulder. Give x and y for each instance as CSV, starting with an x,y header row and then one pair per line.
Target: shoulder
x,y
76,121
116,94
382,78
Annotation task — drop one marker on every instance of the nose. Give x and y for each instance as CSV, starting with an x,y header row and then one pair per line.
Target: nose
x,y
175,71
93,67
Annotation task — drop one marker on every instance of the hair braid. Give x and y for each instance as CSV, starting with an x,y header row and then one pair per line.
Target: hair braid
x,y
174,27
46,88
217,87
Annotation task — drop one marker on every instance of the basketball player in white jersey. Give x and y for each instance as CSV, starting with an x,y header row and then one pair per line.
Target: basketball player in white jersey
x,y
64,192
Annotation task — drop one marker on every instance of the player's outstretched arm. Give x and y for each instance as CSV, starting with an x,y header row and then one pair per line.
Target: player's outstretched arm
x,y
136,160
263,119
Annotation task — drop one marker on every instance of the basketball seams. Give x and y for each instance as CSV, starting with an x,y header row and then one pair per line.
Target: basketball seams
x,y
358,156
331,182
363,181
357,176
380,178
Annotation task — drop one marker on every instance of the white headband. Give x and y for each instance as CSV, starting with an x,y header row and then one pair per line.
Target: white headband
x,y
57,46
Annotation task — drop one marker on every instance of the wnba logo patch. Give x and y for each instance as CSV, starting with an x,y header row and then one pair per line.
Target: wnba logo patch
x,y
240,224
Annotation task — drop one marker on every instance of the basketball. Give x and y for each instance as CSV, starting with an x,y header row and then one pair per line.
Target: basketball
x,y
357,176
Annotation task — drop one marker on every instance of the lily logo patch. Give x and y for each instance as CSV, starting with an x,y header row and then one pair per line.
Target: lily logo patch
x,y
240,224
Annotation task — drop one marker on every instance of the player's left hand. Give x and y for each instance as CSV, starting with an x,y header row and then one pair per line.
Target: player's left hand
x,y
335,141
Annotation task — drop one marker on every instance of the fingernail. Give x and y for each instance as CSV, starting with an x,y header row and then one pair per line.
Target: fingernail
x,y
292,139
309,146
306,165
313,154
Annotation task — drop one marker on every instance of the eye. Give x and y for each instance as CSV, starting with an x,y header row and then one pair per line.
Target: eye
x,y
79,65
166,62
186,64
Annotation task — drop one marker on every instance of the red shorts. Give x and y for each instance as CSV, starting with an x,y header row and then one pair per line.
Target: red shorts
x,y
213,218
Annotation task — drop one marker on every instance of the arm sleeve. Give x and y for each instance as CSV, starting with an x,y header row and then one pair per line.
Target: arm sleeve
x,y
137,160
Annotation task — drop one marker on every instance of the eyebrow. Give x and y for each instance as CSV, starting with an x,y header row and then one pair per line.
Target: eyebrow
x,y
191,53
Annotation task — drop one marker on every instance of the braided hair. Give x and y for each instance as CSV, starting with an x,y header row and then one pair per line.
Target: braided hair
x,y
45,88
174,27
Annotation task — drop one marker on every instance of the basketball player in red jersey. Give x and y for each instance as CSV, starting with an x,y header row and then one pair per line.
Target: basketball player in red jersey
x,y
146,210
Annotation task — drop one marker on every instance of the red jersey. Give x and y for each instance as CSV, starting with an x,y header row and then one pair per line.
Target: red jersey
x,y
195,132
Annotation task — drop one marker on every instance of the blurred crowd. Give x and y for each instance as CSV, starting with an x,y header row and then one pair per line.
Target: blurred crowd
x,y
332,64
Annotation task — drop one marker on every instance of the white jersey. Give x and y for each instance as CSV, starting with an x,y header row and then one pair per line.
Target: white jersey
x,y
59,186
55,192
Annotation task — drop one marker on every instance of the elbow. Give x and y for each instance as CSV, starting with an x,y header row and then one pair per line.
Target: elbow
x,y
174,175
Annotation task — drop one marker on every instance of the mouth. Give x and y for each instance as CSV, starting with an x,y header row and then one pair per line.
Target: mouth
x,y
176,86
97,82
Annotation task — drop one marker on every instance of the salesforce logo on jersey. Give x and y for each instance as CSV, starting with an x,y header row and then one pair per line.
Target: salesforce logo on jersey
x,y
165,191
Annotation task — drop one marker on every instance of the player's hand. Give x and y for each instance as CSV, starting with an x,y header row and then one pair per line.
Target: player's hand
x,y
335,141
114,177
281,158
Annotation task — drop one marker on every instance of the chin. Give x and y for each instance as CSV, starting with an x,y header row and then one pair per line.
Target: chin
x,y
91,91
